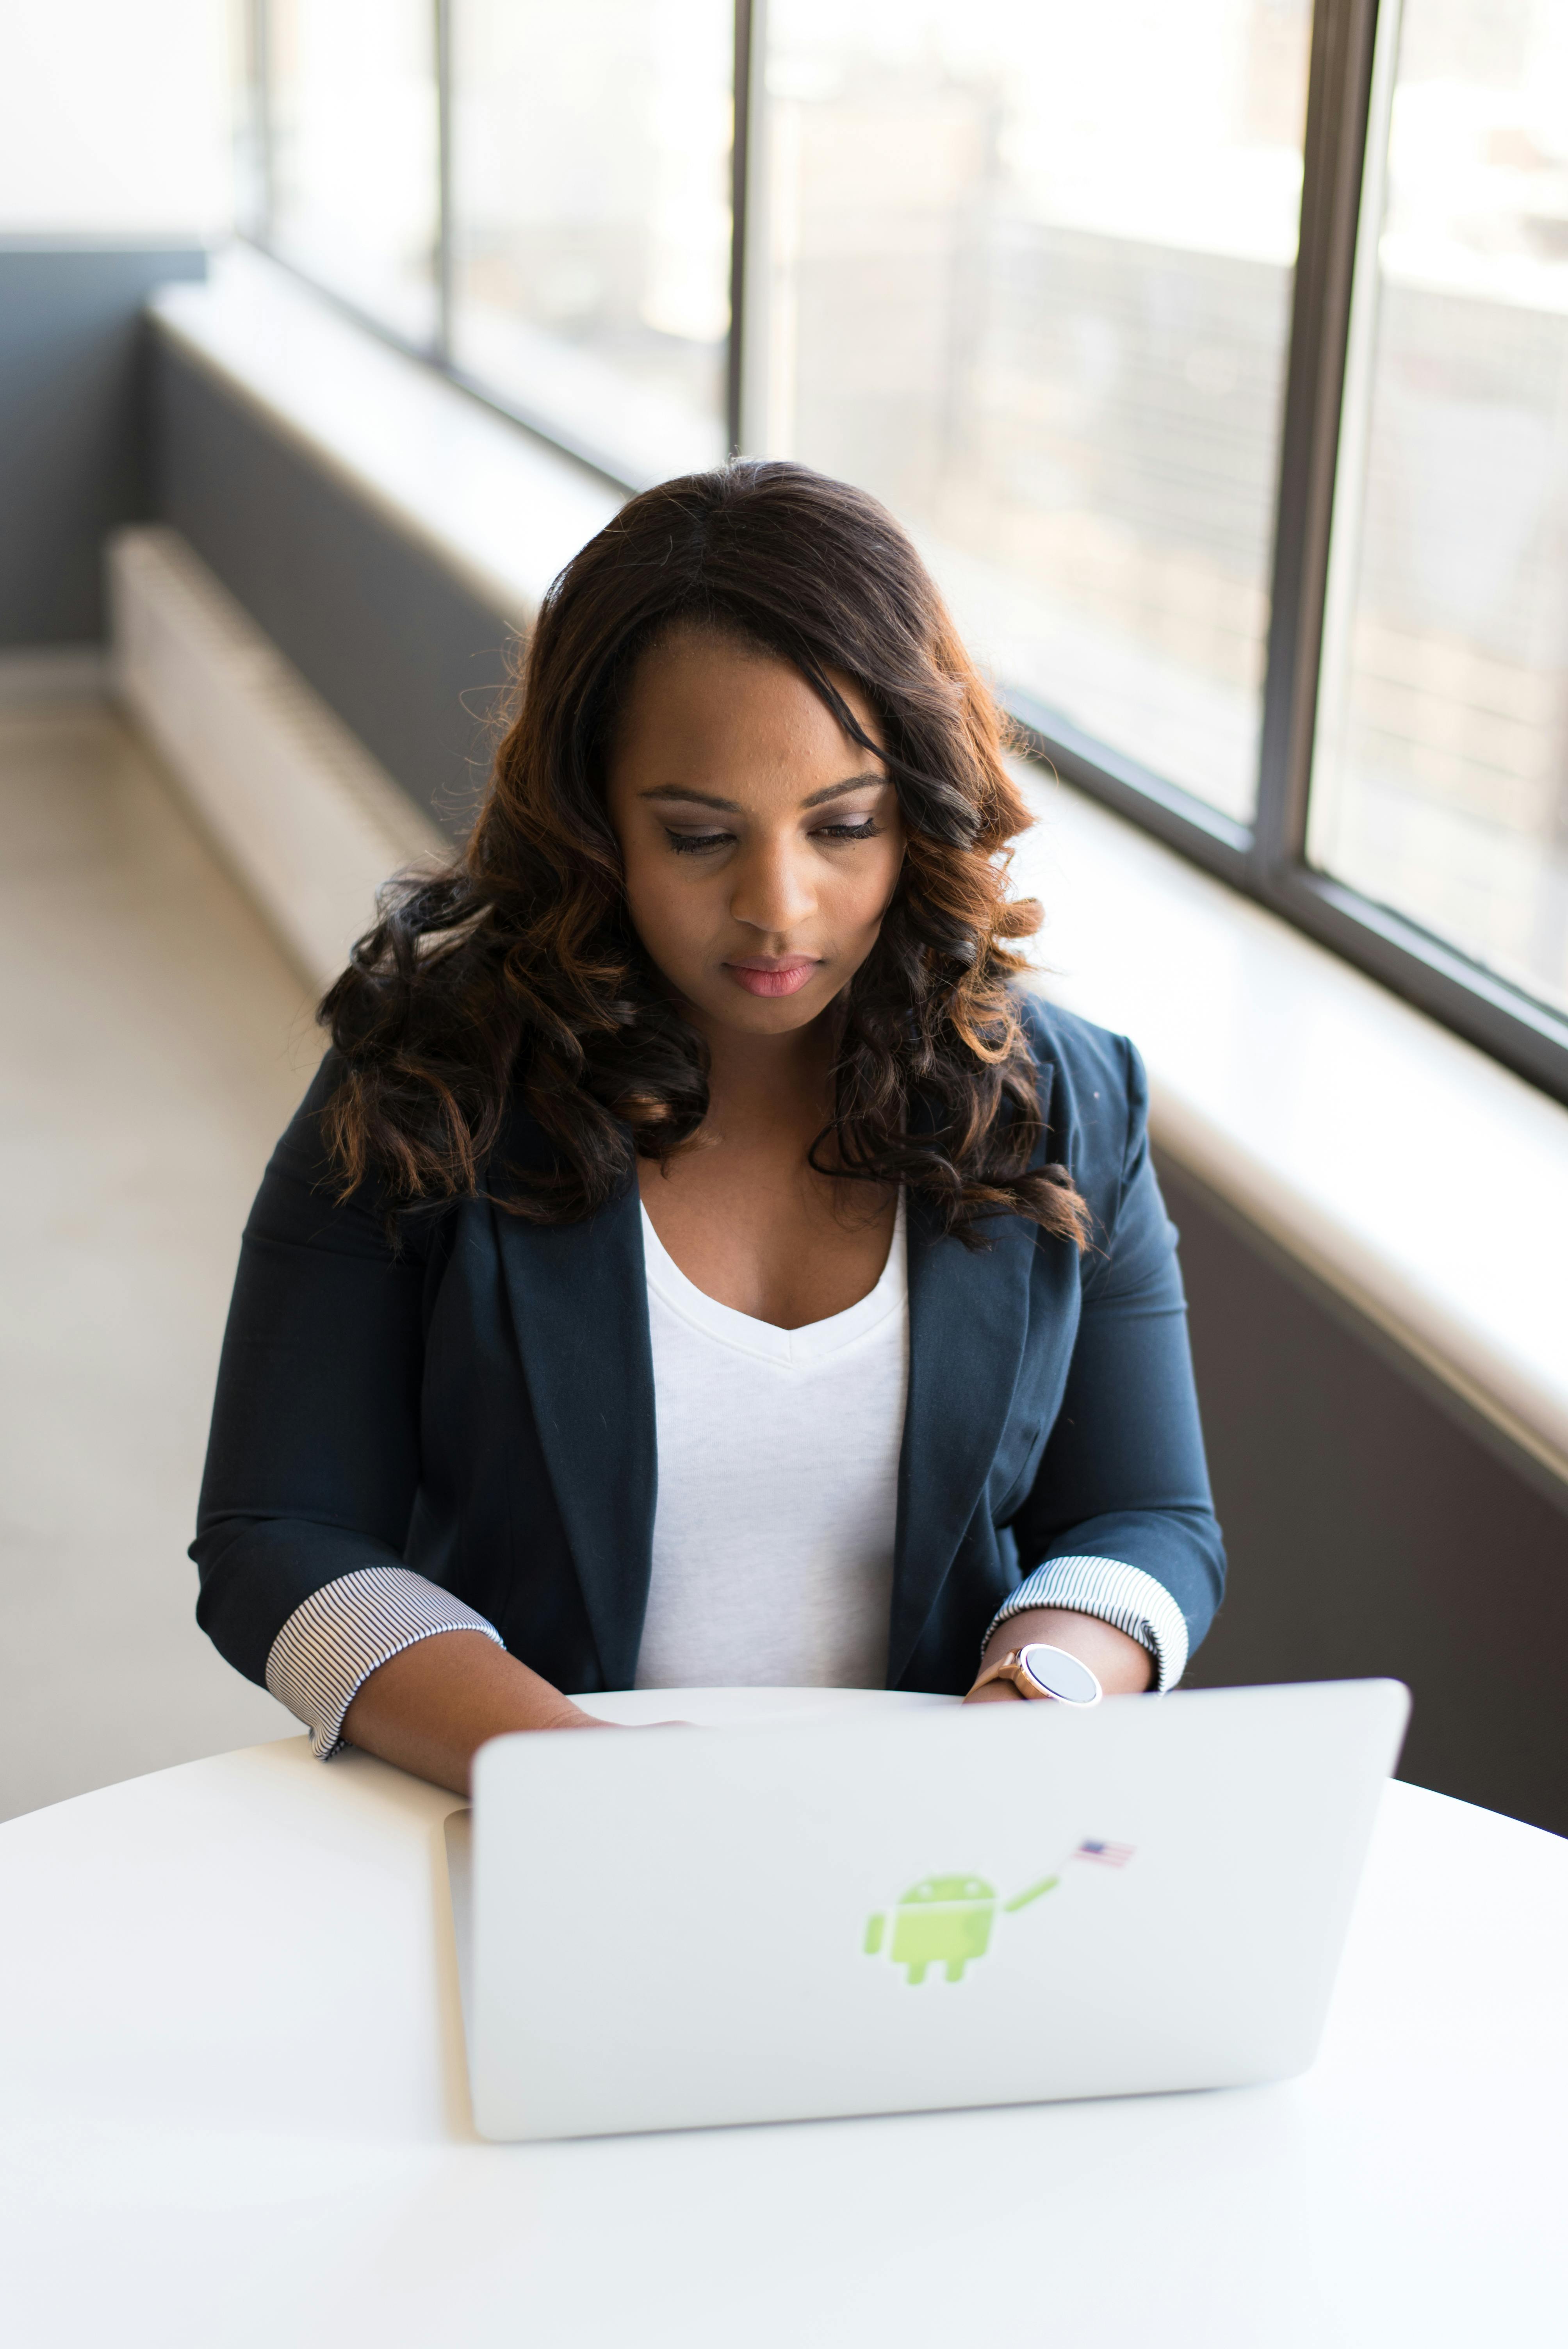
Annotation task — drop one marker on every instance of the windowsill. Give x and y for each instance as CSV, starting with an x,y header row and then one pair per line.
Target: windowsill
x,y
1424,1184
500,510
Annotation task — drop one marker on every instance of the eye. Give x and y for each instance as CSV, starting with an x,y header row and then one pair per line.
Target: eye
x,y
867,829
695,844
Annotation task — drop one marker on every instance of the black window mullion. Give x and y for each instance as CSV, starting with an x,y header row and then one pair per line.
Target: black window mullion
x,y
749,34
1344,34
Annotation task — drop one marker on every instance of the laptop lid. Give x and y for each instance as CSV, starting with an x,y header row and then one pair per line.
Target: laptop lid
x,y
891,1912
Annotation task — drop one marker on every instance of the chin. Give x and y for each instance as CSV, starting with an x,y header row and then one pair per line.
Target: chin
x,y
762,1016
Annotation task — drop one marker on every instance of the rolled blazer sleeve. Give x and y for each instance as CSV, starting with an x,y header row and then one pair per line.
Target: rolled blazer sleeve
x,y
1123,1475
314,1460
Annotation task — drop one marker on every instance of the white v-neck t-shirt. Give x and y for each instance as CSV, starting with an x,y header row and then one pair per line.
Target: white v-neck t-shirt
x,y
777,1486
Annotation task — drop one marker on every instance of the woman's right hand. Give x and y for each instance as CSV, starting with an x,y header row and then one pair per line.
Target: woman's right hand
x,y
429,1708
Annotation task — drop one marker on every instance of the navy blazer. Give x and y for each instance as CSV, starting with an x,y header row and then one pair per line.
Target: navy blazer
x,y
478,1404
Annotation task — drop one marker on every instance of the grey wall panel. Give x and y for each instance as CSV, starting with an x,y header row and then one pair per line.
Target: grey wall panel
x,y
72,465
1372,1530
396,643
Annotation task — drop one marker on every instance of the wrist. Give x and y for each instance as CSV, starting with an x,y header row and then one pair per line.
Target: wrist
x,y
1039,1672
1122,1665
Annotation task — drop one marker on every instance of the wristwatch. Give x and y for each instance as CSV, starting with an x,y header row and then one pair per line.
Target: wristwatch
x,y
1038,1670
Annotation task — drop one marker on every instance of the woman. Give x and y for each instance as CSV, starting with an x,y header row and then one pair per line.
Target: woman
x,y
696,1262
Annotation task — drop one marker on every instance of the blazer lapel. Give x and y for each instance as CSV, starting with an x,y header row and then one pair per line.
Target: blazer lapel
x,y
968,1320
968,1316
579,1304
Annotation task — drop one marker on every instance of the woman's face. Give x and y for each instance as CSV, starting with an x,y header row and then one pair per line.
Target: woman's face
x,y
761,844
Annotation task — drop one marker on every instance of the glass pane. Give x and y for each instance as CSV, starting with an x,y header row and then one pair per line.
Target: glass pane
x,y
1030,273
355,152
1440,777
592,186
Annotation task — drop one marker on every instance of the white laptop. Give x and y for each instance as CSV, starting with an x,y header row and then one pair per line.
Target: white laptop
x,y
892,1910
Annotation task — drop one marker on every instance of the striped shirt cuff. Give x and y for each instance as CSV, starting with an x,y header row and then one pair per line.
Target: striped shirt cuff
x,y
1118,1594
337,1637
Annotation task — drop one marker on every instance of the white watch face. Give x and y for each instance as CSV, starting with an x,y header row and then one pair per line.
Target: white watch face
x,y
1060,1675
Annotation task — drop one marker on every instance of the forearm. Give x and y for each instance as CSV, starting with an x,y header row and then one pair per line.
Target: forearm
x,y
431,1707
1123,1666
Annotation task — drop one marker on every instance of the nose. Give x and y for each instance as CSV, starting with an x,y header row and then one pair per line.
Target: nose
x,y
773,893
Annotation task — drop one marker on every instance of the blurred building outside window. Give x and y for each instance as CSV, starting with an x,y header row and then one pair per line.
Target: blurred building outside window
x,y
1440,777
1026,270
353,174
590,177
1030,270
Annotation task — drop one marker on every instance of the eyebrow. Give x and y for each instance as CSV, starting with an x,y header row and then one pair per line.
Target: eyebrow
x,y
733,807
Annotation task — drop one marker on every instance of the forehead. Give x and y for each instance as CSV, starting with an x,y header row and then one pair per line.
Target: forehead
x,y
718,713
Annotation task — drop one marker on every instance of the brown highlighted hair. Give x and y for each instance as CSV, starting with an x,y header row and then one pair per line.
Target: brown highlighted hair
x,y
517,971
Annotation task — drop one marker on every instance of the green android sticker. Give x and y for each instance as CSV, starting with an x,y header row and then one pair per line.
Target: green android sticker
x,y
945,1920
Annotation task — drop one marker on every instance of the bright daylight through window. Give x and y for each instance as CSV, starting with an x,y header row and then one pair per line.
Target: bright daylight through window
x,y
351,176
591,220
1029,280
1069,288
1440,783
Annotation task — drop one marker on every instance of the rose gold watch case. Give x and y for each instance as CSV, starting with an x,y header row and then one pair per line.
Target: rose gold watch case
x,y
1015,1667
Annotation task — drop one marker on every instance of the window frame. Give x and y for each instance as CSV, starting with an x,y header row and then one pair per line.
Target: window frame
x,y
1265,860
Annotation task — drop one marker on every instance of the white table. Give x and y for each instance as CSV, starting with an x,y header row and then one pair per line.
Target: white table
x,y
234,2111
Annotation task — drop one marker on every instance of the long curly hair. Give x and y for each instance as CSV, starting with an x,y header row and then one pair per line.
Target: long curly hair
x,y
516,971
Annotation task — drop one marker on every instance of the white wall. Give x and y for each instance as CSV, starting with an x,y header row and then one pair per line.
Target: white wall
x,y
116,116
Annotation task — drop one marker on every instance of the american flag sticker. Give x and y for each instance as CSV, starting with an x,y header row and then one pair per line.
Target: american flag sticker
x,y
1110,1855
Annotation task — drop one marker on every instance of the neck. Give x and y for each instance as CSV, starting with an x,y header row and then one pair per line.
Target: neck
x,y
769,1080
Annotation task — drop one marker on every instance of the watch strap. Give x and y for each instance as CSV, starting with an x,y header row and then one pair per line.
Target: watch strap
x,y
1041,1673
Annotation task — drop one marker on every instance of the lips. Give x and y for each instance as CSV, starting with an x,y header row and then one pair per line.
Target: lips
x,y
772,974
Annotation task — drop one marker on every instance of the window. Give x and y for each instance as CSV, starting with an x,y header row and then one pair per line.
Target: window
x,y
1441,781
351,173
591,196
1215,354
1040,303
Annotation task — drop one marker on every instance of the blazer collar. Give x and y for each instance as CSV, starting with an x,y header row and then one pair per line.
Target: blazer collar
x,y
579,1302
